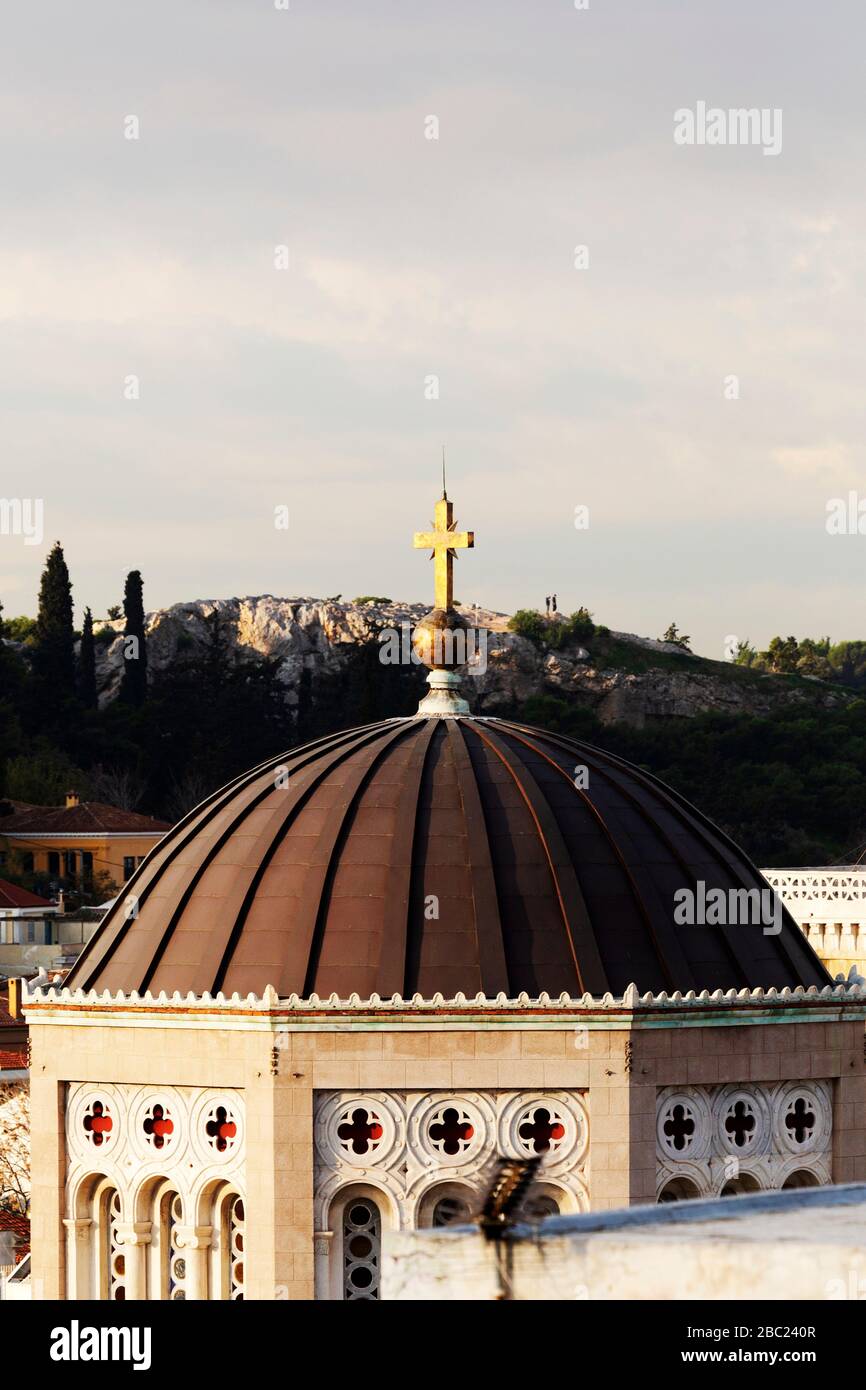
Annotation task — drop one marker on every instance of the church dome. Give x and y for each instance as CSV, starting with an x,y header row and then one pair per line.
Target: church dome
x,y
426,855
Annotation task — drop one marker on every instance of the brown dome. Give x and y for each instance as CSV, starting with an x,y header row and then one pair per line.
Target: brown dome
x,y
424,855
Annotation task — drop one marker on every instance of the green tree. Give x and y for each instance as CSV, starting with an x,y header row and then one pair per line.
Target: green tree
x,y
87,663
11,681
679,639
54,643
782,655
20,629
527,623
746,654
133,687
813,658
43,776
848,663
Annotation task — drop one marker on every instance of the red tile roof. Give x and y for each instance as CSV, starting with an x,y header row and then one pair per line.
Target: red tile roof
x,y
20,1227
13,896
12,1061
88,817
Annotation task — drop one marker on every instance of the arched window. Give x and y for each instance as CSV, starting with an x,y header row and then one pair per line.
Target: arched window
x,y
361,1249
109,1253
746,1182
235,1242
166,1260
356,1223
228,1241
678,1190
801,1178
450,1211
447,1204
541,1202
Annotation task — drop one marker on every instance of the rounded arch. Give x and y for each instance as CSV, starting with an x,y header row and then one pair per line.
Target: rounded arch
x,y
445,1204
801,1177
740,1185
367,1188
679,1190
204,1201
220,1206
160,1209
91,1247
103,1273
800,1172
359,1235
81,1198
549,1199
143,1196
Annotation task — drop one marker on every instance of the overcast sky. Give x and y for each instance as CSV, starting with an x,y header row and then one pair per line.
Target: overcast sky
x,y
410,258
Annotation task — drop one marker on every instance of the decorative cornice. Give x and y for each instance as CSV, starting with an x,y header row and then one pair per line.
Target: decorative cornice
x,y
842,992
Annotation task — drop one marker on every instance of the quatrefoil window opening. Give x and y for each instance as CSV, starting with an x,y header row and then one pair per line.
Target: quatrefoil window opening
x,y
541,1130
221,1129
158,1126
740,1124
679,1127
451,1131
800,1120
97,1123
361,1130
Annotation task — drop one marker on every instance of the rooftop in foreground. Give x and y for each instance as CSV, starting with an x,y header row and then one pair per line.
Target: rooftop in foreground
x,y
807,1243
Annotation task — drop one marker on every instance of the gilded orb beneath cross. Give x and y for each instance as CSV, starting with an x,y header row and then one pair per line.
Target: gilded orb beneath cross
x,y
444,640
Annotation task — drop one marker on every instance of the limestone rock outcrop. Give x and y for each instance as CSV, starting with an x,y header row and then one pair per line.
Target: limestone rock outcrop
x,y
319,634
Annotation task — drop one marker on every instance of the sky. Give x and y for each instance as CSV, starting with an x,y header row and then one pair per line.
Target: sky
x,y
166,385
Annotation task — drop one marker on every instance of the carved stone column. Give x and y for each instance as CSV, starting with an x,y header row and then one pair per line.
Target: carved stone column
x,y
134,1236
195,1241
79,1262
322,1253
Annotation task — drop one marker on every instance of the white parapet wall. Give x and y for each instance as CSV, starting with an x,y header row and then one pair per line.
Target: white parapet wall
x,y
803,1244
829,905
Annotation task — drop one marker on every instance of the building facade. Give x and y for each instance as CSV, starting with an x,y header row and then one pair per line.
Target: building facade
x,y
829,905
345,983
78,846
212,1148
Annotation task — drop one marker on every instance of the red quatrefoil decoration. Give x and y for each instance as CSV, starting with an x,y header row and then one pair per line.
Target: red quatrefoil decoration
x,y
98,1124
159,1127
221,1130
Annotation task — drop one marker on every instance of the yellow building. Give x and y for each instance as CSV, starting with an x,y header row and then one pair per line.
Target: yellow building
x,y
80,846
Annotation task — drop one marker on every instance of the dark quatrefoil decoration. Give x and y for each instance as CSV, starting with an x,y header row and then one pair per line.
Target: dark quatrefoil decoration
x,y
363,1133
800,1121
740,1124
679,1127
221,1130
542,1131
451,1134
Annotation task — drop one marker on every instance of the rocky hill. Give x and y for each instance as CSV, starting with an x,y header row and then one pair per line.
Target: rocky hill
x,y
622,677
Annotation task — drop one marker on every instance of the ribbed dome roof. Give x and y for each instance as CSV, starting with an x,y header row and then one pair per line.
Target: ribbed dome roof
x,y
428,854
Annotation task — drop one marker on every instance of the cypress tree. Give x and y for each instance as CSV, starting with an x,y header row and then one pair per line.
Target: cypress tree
x,y
54,647
133,688
4,658
87,663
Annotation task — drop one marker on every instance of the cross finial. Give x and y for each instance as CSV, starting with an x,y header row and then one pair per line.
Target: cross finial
x,y
443,542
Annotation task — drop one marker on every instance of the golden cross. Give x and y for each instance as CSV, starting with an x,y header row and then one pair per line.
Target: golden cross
x,y
443,541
